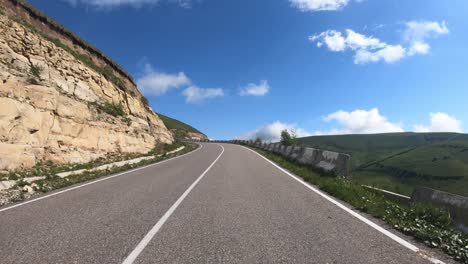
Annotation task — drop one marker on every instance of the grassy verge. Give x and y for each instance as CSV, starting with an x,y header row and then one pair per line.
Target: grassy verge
x,y
50,170
53,182
427,224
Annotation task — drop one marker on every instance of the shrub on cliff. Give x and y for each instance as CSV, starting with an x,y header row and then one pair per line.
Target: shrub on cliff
x,y
115,110
36,70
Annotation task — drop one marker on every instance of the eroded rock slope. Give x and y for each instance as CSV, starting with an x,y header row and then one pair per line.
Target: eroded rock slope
x,y
53,107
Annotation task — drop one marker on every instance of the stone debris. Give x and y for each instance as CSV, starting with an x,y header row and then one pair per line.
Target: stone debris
x,y
27,189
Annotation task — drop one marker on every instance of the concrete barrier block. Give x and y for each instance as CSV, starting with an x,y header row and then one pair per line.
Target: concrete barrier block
x,y
343,164
286,150
277,148
296,152
457,205
270,147
326,166
308,156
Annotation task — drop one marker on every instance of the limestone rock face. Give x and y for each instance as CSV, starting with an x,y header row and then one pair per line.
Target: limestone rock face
x,y
198,136
54,115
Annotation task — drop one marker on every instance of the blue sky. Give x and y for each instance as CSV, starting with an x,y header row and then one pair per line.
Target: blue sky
x,y
250,68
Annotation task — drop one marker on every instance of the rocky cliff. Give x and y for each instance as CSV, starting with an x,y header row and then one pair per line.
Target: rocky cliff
x,y
63,103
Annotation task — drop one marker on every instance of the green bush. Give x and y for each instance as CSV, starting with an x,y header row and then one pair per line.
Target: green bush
x,y
288,138
145,101
164,148
115,110
36,70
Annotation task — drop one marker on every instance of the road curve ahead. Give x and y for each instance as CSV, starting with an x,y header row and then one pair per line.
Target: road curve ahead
x,y
220,204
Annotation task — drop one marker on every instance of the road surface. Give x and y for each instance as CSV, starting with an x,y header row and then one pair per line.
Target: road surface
x,y
220,204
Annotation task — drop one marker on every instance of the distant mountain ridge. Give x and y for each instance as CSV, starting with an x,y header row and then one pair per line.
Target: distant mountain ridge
x,y
402,161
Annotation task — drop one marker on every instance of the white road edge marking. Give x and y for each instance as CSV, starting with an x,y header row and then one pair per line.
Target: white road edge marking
x,y
149,236
353,213
96,181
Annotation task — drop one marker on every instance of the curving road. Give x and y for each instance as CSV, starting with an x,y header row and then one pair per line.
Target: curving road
x,y
220,204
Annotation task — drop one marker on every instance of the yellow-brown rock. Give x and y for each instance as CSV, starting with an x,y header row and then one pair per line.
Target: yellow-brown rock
x,y
54,116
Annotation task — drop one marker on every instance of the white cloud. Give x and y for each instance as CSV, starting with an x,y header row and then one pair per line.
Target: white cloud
x,y
368,49
272,132
359,41
360,122
158,83
441,122
419,48
318,5
333,39
133,3
417,32
253,89
194,94
389,54
421,30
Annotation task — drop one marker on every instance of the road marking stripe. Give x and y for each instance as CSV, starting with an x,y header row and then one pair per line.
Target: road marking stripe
x,y
95,181
149,236
353,213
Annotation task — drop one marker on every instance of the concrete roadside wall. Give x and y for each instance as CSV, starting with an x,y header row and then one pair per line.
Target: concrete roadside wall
x,y
457,205
332,162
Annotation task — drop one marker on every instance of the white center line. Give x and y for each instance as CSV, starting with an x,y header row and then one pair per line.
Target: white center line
x,y
387,233
96,181
145,241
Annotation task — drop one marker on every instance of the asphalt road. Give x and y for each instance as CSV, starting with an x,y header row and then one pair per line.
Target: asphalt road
x,y
220,204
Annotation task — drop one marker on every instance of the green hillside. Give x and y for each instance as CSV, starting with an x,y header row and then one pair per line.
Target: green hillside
x,y
178,127
402,161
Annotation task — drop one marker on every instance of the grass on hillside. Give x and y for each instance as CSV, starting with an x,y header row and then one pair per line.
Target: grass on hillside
x,y
401,162
428,224
172,123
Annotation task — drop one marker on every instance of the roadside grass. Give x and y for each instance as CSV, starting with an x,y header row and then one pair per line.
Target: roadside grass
x,y
54,182
426,223
50,170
